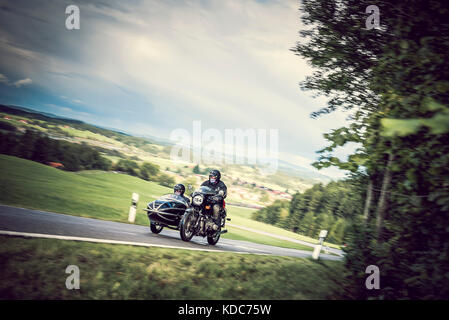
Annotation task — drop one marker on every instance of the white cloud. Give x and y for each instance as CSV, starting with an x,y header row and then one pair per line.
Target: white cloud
x,y
22,82
17,83
3,78
58,107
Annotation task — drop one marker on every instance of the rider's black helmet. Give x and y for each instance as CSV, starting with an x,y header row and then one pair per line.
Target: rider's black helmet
x,y
179,187
216,174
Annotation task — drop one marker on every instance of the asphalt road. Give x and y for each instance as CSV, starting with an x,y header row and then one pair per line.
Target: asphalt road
x,y
26,222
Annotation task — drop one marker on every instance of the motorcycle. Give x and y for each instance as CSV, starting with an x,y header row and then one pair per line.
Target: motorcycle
x,y
198,218
167,211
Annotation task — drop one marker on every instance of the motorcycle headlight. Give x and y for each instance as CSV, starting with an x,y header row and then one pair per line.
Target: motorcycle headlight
x,y
197,200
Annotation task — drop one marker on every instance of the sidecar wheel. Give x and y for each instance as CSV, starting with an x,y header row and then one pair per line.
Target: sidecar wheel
x,y
156,228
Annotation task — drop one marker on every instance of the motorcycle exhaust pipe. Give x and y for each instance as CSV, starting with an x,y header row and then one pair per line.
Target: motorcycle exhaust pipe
x,y
223,231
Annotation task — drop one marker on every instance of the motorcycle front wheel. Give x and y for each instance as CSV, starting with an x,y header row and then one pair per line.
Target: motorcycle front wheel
x,y
187,225
214,239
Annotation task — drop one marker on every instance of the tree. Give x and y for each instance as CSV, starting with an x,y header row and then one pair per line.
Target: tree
x,y
272,215
127,166
39,147
104,164
264,197
328,222
337,231
394,82
26,144
166,180
196,169
296,212
7,126
283,219
42,150
259,215
149,171
326,203
307,226
9,144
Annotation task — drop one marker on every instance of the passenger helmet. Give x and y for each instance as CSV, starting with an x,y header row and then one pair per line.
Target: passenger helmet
x,y
214,176
179,189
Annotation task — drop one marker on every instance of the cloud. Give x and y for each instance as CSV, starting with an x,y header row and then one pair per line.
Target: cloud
x,y
58,107
3,78
22,82
77,101
18,83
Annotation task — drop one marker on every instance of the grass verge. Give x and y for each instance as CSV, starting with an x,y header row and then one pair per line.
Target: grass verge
x,y
242,217
35,269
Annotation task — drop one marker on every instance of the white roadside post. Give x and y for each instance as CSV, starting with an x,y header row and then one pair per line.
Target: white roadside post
x,y
316,251
133,208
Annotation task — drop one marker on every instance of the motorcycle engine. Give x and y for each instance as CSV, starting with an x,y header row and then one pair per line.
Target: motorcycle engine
x,y
209,224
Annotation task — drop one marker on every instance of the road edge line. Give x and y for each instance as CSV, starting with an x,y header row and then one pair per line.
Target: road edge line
x,y
106,241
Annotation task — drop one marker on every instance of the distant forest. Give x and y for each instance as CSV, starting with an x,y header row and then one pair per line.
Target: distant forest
x,y
329,207
36,146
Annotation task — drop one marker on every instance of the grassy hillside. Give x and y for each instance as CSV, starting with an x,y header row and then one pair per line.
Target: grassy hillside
x,y
102,195
35,269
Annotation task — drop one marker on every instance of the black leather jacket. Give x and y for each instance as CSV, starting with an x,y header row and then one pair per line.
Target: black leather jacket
x,y
217,187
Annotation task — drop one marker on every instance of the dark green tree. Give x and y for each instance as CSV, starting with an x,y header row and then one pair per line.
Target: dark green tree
x,y
149,171
393,80
166,180
128,166
196,169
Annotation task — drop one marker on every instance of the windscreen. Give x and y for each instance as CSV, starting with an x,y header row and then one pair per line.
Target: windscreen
x,y
206,190
171,197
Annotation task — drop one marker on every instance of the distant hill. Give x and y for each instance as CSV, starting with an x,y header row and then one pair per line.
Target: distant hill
x,y
30,113
22,111
33,114
285,168
301,172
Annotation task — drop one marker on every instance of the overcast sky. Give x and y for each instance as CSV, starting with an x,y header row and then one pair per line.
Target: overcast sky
x,y
149,67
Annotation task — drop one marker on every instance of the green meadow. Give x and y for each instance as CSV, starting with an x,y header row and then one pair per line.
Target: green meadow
x,y
35,269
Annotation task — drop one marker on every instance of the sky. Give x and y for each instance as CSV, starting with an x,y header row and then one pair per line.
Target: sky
x,y
151,67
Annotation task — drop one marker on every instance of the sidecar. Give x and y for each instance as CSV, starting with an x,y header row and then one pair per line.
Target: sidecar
x,y
166,211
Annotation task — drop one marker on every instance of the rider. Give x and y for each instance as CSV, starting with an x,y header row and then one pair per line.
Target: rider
x,y
179,190
218,186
